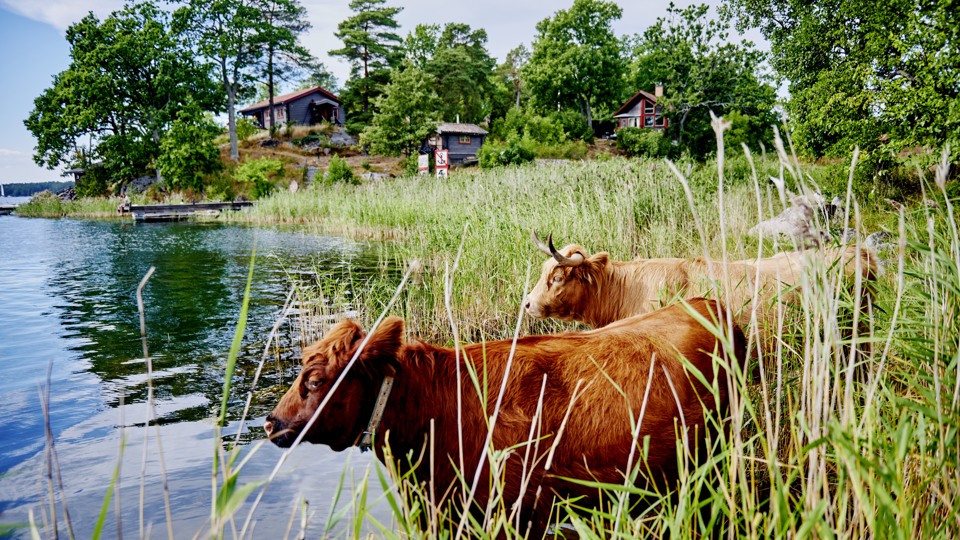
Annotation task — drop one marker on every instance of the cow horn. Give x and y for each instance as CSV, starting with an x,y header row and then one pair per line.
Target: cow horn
x,y
539,243
575,260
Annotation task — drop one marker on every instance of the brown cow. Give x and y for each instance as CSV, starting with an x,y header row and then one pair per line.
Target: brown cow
x,y
595,290
600,375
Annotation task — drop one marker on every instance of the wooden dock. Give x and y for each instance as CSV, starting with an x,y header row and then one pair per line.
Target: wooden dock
x,y
178,212
7,209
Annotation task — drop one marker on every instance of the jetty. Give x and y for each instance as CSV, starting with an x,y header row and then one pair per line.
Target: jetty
x,y
179,212
7,209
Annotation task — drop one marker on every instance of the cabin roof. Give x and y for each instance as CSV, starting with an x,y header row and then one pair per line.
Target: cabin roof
x,y
630,102
292,96
466,129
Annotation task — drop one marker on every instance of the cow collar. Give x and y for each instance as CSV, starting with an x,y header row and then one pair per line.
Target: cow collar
x,y
366,441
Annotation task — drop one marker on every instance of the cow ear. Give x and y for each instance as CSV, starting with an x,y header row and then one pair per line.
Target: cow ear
x,y
594,267
384,345
336,343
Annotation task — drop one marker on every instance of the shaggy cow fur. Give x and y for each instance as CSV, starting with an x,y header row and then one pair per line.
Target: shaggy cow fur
x,y
594,382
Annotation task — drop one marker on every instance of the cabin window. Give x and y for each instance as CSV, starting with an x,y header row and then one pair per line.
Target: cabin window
x,y
647,121
465,139
647,107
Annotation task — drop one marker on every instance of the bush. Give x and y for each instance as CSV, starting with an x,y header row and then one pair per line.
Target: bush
x,y
187,150
339,172
246,128
513,152
643,142
93,182
574,125
259,172
519,123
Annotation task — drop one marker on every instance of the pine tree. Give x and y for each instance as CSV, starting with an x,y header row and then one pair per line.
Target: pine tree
x,y
372,48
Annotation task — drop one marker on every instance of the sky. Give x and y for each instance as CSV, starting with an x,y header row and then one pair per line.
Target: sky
x,y
34,48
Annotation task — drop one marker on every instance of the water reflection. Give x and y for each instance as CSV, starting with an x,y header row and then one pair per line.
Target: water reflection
x,y
67,296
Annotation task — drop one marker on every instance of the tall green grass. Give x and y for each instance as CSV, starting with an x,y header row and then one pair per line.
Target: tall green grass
x,y
833,440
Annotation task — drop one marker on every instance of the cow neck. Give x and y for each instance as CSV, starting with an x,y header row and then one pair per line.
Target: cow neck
x,y
366,440
611,280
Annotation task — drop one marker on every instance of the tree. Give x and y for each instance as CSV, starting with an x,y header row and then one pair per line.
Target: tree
x,y
187,150
701,71
129,78
372,48
463,70
282,54
511,71
577,62
872,74
319,75
230,34
406,113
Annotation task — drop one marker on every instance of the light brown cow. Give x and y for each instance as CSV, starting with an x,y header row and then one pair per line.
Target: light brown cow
x,y
595,290
601,376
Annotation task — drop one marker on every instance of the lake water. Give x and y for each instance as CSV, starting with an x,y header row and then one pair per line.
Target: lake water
x,y
68,301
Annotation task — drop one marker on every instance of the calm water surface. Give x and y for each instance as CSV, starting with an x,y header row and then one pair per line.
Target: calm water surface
x,y
68,302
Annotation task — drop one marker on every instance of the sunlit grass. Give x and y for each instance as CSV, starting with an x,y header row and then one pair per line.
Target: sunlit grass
x,y
827,443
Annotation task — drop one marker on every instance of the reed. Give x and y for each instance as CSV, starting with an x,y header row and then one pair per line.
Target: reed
x,y
835,439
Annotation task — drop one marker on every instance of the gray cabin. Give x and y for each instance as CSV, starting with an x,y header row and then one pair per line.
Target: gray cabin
x,y
305,107
461,140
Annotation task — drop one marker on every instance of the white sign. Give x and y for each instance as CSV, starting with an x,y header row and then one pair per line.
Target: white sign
x,y
442,158
442,172
423,164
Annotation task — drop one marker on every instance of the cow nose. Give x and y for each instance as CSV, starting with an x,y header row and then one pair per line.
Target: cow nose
x,y
526,305
268,427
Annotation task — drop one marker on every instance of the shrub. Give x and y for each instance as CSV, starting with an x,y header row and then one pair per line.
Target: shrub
x,y
643,142
513,152
574,125
246,128
93,182
260,173
187,150
339,172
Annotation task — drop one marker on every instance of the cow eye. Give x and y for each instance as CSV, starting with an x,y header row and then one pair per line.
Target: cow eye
x,y
313,384
558,278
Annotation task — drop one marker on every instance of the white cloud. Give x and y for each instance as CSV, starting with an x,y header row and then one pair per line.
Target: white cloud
x,y
60,13
8,153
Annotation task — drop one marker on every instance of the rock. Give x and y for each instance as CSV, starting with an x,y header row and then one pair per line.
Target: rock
x,y
269,143
374,176
294,186
139,185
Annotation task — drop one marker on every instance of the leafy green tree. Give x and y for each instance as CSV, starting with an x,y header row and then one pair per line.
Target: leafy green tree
x,y
319,75
689,54
873,74
577,61
372,47
406,113
187,150
129,78
283,56
462,68
511,71
230,34
339,172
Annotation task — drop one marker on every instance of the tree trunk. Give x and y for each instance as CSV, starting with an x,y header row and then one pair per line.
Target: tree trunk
x,y
231,113
586,107
273,114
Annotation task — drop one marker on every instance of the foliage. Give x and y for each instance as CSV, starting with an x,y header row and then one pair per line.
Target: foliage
x,y
229,34
94,182
577,61
187,150
320,75
461,66
339,172
260,173
26,189
372,48
512,152
643,142
701,71
512,76
574,125
867,74
246,128
522,123
407,113
128,78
